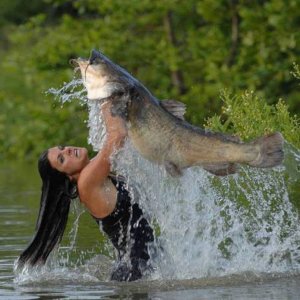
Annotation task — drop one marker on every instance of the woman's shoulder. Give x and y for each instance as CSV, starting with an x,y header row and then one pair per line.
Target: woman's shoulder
x,y
99,198
93,175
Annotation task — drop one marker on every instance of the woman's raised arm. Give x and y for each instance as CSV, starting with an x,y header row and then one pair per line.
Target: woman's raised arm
x,y
93,176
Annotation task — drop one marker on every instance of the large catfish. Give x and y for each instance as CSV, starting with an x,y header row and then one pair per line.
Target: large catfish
x,y
159,132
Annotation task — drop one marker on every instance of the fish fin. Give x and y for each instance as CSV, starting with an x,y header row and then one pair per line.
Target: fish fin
x,y
172,169
174,107
233,138
221,169
224,137
271,151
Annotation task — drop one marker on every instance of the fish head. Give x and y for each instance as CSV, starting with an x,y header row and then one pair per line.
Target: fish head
x,y
103,78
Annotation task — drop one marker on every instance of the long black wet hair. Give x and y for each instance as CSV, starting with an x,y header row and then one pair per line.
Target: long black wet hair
x,y
57,193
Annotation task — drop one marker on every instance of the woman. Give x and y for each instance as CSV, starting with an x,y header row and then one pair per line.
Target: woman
x,y
66,173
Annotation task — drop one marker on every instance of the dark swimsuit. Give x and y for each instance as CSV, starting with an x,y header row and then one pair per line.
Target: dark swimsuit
x,y
130,233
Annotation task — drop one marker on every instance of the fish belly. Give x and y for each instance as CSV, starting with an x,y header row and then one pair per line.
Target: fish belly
x,y
151,144
193,148
164,139
151,133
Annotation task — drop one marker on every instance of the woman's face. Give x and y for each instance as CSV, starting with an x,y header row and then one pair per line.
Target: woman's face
x,y
69,160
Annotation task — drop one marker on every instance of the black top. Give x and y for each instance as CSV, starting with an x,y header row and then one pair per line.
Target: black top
x,y
130,233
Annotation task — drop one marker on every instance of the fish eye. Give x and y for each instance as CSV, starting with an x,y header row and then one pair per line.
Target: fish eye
x,y
94,61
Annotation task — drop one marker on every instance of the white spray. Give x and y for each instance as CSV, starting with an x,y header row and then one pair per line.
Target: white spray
x,y
212,226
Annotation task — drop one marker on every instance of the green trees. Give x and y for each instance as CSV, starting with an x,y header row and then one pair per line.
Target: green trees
x,y
185,50
249,116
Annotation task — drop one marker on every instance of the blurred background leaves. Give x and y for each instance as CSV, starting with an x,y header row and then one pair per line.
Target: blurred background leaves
x,y
230,61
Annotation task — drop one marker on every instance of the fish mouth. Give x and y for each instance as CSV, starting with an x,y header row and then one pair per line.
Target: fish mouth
x,y
74,62
80,63
101,77
95,56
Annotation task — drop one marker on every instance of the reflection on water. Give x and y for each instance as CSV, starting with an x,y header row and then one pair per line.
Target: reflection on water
x,y
77,277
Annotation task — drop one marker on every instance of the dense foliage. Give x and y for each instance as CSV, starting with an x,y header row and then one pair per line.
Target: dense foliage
x,y
249,116
186,50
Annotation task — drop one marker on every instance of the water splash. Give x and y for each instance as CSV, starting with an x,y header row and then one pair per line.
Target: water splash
x,y
96,125
72,90
64,254
55,275
209,226
67,263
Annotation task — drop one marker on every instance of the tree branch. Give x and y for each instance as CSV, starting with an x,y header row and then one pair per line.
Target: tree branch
x,y
235,22
176,75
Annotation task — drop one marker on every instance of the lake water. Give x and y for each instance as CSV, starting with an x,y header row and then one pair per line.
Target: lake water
x,y
79,272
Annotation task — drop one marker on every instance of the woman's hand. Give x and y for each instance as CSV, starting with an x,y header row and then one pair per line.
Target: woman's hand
x,y
115,126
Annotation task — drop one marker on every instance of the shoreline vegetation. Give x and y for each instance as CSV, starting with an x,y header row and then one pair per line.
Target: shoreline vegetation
x,y
234,64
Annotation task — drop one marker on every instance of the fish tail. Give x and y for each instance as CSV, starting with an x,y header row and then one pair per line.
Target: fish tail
x,y
270,151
